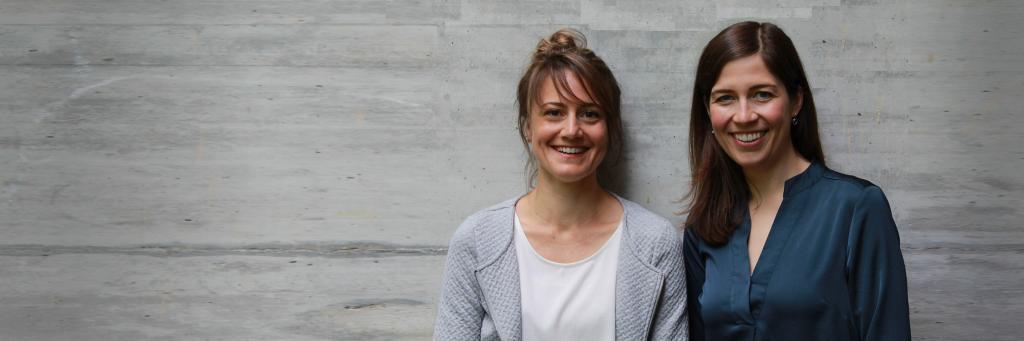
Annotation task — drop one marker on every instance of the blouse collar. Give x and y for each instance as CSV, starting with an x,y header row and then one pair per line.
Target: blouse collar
x,y
804,180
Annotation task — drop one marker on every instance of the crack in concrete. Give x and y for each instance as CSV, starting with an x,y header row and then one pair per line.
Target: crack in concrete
x,y
342,250
379,303
963,247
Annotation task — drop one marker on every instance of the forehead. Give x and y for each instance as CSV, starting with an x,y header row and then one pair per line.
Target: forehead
x,y
574,90
743,73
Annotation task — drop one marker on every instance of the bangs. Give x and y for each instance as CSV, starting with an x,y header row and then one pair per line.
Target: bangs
x,y
559,73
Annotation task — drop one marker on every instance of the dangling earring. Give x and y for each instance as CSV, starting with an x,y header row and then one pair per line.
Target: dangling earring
x,y
712,131
795,121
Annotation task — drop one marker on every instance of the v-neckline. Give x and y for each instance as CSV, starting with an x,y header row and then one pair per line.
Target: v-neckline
x,y
749,222
776,239
751,287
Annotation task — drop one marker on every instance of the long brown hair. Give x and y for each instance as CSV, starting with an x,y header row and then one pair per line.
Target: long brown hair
x,y
566,51
718,187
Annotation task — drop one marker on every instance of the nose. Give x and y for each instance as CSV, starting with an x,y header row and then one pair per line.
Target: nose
x,y
572,126
747,113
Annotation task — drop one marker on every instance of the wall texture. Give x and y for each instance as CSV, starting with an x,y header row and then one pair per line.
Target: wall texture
x,y
269,170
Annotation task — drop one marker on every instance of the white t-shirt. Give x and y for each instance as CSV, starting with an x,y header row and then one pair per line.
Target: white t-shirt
x,y
567,301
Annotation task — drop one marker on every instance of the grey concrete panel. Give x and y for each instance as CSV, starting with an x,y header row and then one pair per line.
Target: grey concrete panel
x,y
227,12
232,297
198,162
270,45
647,15
516,14
904,37
963,292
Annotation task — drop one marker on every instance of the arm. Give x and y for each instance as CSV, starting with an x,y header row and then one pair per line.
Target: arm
x,y
694,283
671,318
876,275
460,313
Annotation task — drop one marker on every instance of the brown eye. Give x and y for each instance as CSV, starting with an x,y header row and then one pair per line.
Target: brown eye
x,y
551,112
590,115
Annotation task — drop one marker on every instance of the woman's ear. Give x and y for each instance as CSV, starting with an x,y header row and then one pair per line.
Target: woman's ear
x,y
798,102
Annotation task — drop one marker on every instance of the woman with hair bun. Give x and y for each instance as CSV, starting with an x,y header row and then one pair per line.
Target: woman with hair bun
x,y
778,246
568,260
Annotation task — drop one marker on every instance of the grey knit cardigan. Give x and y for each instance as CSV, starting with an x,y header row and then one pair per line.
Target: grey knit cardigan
x,y
480,297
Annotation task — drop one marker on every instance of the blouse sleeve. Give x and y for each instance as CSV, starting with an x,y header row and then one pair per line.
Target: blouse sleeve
x,y
694,283
876,275
460,312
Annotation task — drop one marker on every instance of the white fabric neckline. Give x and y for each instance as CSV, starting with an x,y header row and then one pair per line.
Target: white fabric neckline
x,y
522,233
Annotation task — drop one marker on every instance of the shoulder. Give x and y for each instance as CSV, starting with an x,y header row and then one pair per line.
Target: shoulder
x,y
652,238
846,181
644,223
856,191
691,240
480,236
862,201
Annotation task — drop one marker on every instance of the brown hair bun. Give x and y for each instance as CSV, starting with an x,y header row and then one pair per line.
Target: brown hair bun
x,y
564,41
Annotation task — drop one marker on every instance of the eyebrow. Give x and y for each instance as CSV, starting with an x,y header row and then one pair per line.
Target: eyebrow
x,y
755,86
581,104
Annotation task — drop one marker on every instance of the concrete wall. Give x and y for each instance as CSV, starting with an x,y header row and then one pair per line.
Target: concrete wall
x,y
268,170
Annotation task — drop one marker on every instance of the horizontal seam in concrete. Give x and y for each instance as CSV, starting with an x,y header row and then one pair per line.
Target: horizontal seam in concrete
x,y
434,25
343,250
372,66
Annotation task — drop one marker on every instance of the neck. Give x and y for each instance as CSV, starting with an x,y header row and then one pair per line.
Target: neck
x,y
565,205
770,180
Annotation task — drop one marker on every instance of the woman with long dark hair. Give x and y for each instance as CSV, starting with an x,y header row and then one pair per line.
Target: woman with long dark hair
x,y
778,246
568,260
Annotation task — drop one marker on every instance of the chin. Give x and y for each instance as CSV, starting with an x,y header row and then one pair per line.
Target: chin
x,y
749,162
571,176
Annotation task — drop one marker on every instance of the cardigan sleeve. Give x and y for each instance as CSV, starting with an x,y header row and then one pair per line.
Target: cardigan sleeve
x,y
460,312
876,274
671,319
694,283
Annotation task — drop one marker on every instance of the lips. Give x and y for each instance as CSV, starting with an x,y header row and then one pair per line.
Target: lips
x,y
571,150
748,137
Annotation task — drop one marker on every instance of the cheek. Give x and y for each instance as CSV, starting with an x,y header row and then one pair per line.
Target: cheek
x,y
777,110
718,120
601,130
599,135
536,130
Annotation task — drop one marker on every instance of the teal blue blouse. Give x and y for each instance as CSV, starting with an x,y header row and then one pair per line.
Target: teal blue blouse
x,y
831,269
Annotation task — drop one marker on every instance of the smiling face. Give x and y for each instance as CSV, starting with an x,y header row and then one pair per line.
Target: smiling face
x,y
568,136
751,113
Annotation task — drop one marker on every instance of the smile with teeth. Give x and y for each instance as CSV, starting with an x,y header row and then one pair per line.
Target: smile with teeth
x,y
748,137
571,150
